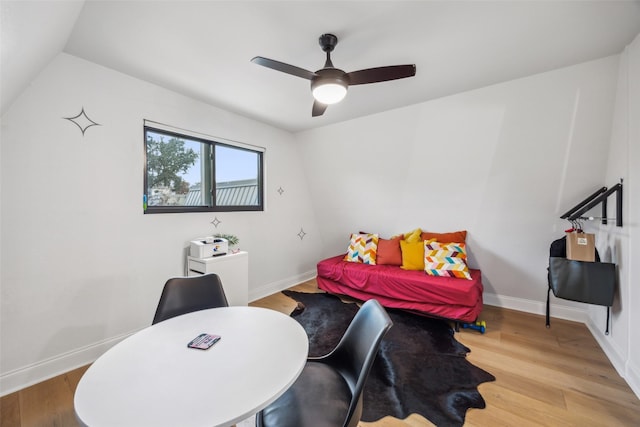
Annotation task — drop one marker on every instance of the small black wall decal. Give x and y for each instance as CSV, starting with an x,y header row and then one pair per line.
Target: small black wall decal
x,y
301,234
82,121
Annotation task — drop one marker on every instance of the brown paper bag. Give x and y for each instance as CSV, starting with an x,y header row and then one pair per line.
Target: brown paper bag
x,y
581,246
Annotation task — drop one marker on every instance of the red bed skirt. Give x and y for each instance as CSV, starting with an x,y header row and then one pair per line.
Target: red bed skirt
x,y
446,297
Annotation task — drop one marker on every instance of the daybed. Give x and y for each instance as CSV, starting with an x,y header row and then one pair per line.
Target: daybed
x,y
453,298
447,297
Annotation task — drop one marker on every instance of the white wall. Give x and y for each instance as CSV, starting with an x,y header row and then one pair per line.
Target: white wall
x,y
503,162
633,360
622,245
82,266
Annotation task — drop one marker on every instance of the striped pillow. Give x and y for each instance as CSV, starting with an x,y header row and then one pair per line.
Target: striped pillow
x,y
362,248
446,259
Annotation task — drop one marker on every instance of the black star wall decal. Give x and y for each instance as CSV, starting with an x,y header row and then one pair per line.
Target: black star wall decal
x,y
82,121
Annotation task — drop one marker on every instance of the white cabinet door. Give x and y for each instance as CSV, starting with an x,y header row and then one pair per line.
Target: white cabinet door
x,y
233,270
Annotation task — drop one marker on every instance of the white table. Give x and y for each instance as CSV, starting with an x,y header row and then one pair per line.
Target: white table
x,y
153,379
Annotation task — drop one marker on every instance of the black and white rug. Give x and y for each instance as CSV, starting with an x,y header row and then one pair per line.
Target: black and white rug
x,y
420,368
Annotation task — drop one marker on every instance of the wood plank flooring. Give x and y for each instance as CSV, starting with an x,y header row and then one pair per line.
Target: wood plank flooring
x,y
544,377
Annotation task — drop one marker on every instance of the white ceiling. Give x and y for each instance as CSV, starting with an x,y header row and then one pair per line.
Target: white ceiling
x,y
203,48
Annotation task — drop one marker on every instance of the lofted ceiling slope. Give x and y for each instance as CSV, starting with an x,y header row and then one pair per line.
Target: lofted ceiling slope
x,y
203,48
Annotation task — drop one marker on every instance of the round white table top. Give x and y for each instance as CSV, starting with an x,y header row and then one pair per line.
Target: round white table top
x,y
153,379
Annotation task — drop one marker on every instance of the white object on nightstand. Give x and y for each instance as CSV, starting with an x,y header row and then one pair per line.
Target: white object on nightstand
x,y
233,270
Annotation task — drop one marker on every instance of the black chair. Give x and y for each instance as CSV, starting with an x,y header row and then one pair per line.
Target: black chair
x,y
328,392
183,295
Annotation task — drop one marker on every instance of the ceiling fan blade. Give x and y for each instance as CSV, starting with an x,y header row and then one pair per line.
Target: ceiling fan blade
x,y
318,109
381,74
285,68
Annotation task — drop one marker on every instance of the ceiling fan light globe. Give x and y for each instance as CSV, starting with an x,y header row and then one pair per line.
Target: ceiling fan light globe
x,y
329,93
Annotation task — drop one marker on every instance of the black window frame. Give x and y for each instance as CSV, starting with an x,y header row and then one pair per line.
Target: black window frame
x,y
204,208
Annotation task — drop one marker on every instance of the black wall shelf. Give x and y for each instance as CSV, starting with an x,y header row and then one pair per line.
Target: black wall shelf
x,y
600,196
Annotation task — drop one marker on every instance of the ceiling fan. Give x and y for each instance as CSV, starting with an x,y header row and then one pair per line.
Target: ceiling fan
x,y
329,84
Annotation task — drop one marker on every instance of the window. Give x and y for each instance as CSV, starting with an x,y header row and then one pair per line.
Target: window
x,y
189,173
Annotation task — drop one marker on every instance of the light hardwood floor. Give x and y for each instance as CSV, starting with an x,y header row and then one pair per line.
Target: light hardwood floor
x,y
544,377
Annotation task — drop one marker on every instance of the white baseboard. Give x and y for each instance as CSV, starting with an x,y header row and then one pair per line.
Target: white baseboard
x,y
575,314
613,353
625,367
37,372
280,285
633,377
41,371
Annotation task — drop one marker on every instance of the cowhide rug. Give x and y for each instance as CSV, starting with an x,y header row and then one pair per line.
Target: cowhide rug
x,y
420,368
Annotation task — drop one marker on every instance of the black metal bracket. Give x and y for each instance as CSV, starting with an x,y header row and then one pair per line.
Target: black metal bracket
x,y
600,196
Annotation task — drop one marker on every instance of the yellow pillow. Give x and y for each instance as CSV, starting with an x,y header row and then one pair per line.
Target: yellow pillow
x,y
412,254
413,236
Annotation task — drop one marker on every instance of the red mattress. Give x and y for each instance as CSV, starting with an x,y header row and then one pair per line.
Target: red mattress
x,y
447,297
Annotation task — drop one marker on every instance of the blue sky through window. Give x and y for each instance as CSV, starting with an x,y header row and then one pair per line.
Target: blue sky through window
x,y
232,163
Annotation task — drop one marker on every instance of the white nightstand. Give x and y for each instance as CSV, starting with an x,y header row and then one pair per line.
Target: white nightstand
x,y
233,270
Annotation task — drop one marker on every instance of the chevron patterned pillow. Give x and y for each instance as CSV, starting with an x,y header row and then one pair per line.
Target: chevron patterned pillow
x,y
446,259
362,248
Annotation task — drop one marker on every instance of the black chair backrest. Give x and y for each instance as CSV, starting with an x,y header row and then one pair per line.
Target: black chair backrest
x,y
356,351
183,295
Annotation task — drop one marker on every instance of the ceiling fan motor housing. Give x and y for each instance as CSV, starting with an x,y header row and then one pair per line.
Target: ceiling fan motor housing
x,y
329,85
330,75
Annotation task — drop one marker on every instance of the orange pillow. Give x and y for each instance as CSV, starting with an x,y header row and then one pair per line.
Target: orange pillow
x,y
453,237
389,252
